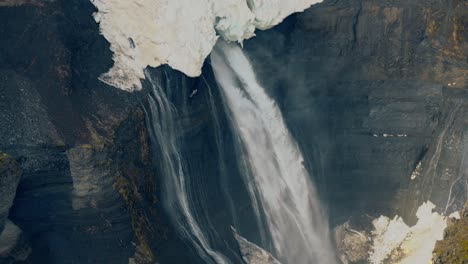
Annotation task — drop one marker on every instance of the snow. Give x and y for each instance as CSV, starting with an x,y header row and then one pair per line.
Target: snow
x,y
179,33
417,171
396,242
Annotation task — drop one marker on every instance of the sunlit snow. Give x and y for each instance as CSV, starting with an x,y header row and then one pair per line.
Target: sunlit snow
x,y
180,33
396,242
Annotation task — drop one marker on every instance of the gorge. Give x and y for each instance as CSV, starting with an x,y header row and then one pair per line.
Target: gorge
x,y
334,135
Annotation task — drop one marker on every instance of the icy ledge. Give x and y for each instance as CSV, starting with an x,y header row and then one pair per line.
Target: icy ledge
x,y
180,33
392,241
396,242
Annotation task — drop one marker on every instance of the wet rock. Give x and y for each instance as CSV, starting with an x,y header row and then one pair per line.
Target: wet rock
x,y
91,171
253,254
353,240
10,175
13,243
352,76
137,184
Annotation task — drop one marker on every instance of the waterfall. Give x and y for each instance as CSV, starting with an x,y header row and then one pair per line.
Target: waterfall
x,y
163,131
283,189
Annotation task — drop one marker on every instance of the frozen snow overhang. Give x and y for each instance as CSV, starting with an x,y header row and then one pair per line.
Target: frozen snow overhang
x,y
179,33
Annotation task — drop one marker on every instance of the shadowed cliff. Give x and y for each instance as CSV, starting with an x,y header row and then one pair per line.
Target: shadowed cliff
x,y
374,92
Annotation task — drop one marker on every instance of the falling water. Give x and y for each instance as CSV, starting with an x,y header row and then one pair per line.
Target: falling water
x,y
161,120
298,227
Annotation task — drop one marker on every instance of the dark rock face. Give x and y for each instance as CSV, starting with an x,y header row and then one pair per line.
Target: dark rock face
x,y
374,91
206,146
371,89
79,199
10,175
353,240
136,183
13,243
253,254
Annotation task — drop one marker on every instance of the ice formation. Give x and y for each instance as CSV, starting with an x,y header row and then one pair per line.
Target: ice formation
x,y
180,33
396,242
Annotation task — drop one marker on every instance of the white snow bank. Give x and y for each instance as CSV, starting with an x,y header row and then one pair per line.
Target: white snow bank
x,y
180,33
396,242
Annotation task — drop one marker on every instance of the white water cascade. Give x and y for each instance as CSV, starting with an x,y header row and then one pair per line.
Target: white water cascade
x,y
298,226
163,130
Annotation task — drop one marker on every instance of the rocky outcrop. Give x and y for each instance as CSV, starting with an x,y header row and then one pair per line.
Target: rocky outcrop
x,y
101,194
59,122
253,254
136,182
370,89
373,91
10,175
353,240
13,244
454,247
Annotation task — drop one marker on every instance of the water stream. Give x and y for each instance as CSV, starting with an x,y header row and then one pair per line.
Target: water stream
x,y
163,130
283,196
282,186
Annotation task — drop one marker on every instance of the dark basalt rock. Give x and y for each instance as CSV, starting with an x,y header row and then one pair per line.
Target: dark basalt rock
x,y
59,122
373,91
10,175
253,254
13,244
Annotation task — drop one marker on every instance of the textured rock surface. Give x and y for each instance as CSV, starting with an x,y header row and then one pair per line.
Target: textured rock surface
x,y
363,85
10,175
353,240
10,3
13,244
252,253
454,247
59,122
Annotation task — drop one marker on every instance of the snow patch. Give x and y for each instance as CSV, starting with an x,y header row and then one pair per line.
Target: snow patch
x,y
396,242
390,135
417,171
180,33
